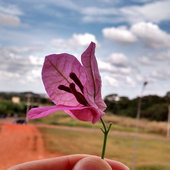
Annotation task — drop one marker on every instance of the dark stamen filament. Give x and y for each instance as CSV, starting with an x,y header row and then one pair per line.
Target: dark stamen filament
x,y
74,77
65,88
80,98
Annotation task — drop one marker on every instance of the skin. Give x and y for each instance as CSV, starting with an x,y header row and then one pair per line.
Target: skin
x,y
78,162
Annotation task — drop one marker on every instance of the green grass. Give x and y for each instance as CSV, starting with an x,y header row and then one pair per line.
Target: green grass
x,y
151,154
124,124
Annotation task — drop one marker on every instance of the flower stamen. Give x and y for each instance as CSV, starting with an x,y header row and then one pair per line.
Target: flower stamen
x,y
80,98
64,88
74,77
71,89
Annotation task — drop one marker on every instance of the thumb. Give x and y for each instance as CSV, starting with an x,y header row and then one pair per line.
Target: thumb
x,y
92,163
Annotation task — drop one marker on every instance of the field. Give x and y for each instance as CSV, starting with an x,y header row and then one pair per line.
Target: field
x,y
152,154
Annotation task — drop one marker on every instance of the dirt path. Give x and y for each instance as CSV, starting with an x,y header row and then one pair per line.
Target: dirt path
x,y
20,143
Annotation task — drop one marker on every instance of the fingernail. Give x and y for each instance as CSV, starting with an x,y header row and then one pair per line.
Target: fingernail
x,y
92,163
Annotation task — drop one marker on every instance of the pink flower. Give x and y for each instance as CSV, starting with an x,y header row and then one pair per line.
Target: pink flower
x,y
73,87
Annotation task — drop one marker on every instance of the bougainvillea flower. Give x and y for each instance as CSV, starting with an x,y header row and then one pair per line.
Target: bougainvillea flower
x,y
72,86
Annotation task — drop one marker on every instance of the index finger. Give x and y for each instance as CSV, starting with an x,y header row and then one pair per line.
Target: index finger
x,y
62,163
59,163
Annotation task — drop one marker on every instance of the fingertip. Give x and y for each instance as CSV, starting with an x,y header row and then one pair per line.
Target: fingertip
x,y
92,163
117,165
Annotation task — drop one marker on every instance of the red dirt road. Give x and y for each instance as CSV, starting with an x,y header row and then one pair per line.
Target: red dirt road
x,y
21,143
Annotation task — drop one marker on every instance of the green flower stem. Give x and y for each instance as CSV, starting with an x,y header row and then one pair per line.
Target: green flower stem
x,y
105,131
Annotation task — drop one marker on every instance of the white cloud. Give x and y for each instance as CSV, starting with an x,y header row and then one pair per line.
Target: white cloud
x,y
161,74
108,67
9,20
151,35
144,60
110,1
120,35
143,1
118,59
10,10
118,76
116,63
9,15
102,19
118,80
125,70
142,79
12,63
139,78
28,49
36,72
66,4
77,40
5,76
130,81
153,12
18,72
112,81
160,56
150,79
83,39
36,61
105,66
95,11
97,19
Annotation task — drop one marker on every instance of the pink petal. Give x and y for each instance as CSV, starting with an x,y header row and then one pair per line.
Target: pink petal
x,y
86,114
81,113
41,112
92,89
56,71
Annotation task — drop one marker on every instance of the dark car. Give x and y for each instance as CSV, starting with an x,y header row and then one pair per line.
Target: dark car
x,y
20,121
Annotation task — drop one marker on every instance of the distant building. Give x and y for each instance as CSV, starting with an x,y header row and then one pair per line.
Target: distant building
x,y
16,99
112,97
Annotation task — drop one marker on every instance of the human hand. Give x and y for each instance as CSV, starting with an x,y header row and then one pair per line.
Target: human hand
x,y
75,162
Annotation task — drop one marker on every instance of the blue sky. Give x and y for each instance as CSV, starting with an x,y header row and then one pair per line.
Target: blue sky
x,y
132,38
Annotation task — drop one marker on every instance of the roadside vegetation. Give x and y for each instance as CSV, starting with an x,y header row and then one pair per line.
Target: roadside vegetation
x,y
7,106
120,123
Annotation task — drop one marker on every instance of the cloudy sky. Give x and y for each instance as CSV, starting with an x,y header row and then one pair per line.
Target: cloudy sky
x,y
132,38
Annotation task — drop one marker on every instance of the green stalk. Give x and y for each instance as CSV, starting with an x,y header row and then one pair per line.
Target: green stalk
x,y
105,131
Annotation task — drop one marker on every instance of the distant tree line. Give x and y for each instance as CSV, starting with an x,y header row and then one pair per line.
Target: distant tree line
x,y
7,106
153,107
